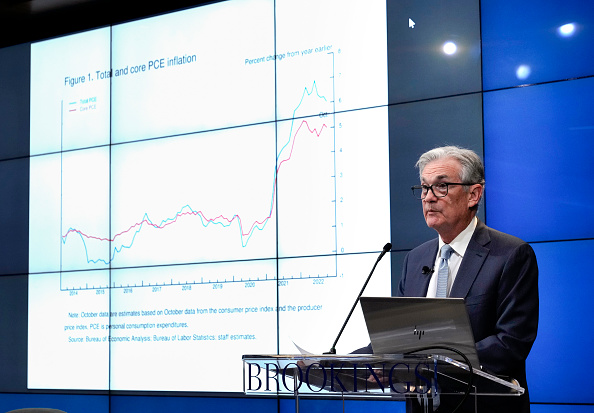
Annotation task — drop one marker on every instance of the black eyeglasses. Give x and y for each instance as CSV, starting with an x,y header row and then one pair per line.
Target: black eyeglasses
x,y
439,189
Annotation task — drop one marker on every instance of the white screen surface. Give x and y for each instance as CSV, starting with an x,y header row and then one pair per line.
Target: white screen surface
x,y
212,183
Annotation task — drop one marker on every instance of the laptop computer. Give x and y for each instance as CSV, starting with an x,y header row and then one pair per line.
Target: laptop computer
x,y
399,325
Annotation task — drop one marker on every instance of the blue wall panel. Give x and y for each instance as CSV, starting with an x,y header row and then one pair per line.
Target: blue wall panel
x,y
155,404
539,142
71,403
565,336
534,41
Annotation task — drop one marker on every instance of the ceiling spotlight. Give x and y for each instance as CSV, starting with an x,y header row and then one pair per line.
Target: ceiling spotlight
x,y
450,48
566,30
522,72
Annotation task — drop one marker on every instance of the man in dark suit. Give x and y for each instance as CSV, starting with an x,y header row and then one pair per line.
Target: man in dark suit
x,y
495,273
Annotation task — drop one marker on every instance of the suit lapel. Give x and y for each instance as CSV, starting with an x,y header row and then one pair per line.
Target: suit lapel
x,y
473,260
422,285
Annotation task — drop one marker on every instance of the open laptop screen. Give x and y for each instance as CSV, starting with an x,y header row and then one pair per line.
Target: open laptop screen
x,y
399,325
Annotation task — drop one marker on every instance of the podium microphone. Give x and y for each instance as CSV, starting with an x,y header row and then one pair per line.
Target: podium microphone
x,y
387,248
427,271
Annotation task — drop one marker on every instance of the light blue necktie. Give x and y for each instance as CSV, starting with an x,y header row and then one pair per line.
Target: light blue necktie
x,y
443,271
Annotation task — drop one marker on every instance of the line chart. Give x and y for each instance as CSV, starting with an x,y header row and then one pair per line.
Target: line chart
x,y
188,211
126,238
137,243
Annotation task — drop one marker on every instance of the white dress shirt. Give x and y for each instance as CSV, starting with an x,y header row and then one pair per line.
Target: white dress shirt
x,y
459,245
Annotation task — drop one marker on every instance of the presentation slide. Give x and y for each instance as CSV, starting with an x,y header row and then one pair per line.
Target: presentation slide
x,y
205,184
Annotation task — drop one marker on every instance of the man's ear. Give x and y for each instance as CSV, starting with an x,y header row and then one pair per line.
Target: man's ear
x,y
475,194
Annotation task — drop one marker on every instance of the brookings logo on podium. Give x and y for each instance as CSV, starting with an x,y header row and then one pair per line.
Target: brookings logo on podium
x,y
340,377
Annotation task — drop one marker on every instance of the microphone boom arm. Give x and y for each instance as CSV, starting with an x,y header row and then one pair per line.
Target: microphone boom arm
x,y
387,248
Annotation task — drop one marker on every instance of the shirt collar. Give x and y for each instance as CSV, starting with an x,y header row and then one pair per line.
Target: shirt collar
x,y
460,243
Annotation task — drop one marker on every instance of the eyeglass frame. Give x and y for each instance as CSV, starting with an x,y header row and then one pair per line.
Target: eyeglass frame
x,y
430,187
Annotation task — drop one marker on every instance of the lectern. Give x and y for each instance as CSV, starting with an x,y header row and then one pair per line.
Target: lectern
x,y
424,377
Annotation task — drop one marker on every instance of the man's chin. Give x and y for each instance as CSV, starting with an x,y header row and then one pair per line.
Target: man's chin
x,y
432,221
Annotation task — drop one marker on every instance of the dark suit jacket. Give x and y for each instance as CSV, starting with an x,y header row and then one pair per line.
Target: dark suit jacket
x,y
498,278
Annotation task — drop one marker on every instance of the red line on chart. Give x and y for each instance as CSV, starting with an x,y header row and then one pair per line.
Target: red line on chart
x,y
187,210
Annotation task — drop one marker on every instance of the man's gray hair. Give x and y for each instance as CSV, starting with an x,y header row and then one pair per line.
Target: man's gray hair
x,y
472,172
